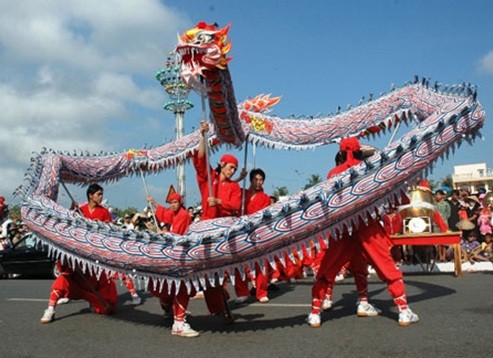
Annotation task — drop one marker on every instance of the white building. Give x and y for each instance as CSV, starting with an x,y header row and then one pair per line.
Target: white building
x,y
474,176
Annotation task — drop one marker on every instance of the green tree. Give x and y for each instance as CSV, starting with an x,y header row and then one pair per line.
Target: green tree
x,y
15,211
313,180
121,213
280,191
448,181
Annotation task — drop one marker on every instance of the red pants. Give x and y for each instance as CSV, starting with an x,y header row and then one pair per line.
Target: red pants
x,y
371,243
216,298
101,294
128,282
289,270
261,282
178,302
314,259
359,269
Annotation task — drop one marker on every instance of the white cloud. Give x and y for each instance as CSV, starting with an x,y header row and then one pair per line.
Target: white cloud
x,y
71,67
486,63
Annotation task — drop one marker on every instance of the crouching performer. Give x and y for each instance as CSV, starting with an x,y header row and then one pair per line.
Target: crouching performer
x,y
76,285
73,283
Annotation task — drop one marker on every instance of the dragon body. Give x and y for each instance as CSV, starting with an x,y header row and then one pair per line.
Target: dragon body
x,y
213,247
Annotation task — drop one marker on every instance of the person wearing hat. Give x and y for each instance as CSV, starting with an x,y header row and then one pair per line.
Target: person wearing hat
x,y
471,210
173,217
368,241
177,219
224,200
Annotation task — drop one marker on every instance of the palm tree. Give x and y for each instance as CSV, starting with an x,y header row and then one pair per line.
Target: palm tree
x,y
448,181
280,191
313,180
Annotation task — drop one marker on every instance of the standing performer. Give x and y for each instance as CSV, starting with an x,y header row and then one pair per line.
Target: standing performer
x,y
225,200
367,240
72,283
255,200
177,218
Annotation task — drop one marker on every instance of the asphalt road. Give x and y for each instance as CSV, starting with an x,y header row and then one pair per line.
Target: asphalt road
x,y
456,321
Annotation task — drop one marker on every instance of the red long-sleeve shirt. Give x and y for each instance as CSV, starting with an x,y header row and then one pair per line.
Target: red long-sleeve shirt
x,y
178,221
257,202
98,213
227,191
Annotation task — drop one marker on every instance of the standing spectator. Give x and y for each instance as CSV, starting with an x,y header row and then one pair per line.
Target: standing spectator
x,y
455,206
191,212
444,209
472,209
127,222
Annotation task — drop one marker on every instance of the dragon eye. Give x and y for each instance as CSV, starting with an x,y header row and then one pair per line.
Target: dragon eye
x,y
203,37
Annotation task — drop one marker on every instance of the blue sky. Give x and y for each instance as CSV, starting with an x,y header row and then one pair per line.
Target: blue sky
x,y
80,75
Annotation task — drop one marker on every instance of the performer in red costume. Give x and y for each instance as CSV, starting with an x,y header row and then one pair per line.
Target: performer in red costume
x,y
95,211
74,284
255,200
225,200
177,218
368,241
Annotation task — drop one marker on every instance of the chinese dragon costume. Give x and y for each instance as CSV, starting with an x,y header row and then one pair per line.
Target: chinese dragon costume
x,y
445,117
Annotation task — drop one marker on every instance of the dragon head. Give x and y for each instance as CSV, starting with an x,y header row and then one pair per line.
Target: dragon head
x,y
203,47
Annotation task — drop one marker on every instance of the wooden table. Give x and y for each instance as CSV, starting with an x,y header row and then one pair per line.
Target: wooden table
x,y
446,238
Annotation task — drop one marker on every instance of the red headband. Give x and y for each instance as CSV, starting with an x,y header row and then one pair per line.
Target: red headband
x,y
229,158
350,144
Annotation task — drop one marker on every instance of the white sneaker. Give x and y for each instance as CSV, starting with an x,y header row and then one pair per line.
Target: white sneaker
x,y
198,295
62,301
339,278
48,316
183,329
264,299
314,320
407,317
241,299
136,300
365,309
326,304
